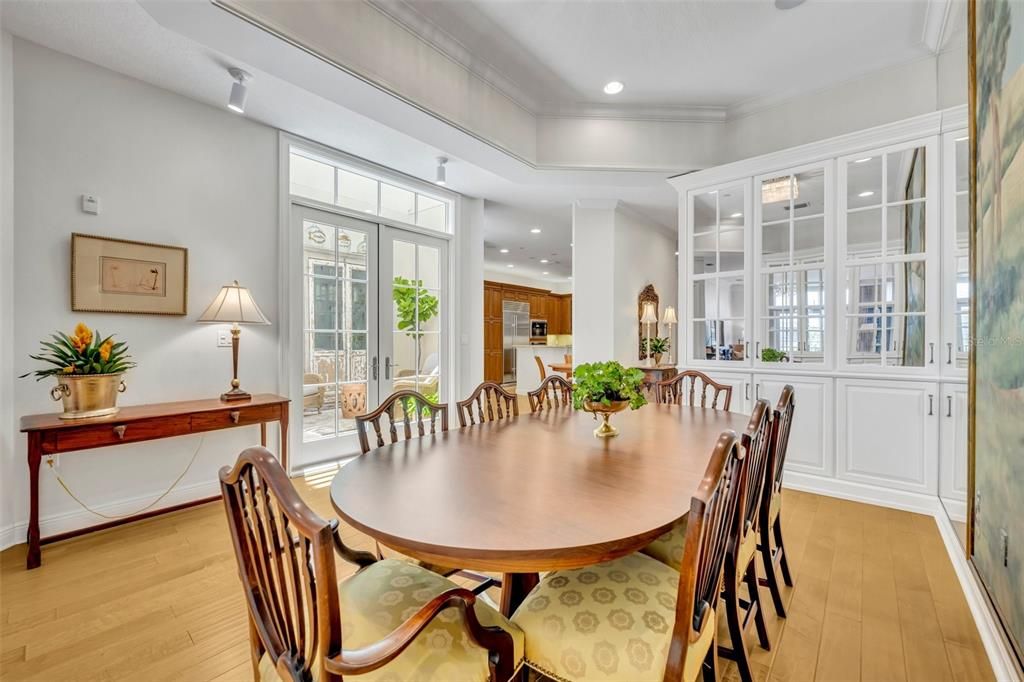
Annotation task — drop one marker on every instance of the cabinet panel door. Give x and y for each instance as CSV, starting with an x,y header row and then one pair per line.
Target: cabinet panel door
x,y
811,445
742,390
953,455
492,302
887,433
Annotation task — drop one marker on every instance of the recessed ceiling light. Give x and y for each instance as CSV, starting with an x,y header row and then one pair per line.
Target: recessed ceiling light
x,y
503,250
570,244
736,215
535,230
239,91
441,176
866,194
569,277
509,266
613,88
677,253
788,4
545,272
864,160
544,260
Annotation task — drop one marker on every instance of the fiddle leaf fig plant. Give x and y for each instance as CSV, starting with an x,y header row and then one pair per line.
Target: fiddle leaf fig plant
x,y
607,382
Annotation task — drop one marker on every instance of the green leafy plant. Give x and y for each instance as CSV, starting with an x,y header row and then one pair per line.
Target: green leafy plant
x,y
84,352
769,354
606,382
414,307
657,345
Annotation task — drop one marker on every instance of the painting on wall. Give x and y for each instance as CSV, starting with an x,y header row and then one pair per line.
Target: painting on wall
x,y
997,361
121,276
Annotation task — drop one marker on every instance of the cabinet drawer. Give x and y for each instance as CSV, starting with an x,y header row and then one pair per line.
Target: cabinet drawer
x,y
112,432
239,416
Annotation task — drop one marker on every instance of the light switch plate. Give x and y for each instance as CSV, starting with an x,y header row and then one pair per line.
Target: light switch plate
x,y
223,339
90,204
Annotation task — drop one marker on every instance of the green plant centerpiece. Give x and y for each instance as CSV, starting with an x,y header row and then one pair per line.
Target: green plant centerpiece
x,y
656,348
605,388
769,354
88,368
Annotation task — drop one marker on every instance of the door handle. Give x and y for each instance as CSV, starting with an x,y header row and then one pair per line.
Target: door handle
x,y
949,353
757,350
931,404
931,353
949,406
746,390
757,391
387,367
374,365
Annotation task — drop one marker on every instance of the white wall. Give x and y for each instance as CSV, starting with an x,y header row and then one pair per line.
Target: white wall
x,y
167,170
593,326
470,292
7,423
644,254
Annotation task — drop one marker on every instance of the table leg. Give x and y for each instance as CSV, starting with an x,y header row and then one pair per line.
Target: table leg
x,y
263,434
284,436
35,457
514,588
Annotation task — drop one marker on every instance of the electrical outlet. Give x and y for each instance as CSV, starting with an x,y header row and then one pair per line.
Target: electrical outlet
x,y
223,339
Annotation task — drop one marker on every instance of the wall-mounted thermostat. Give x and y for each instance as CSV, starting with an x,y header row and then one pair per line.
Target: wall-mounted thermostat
x,y
90,204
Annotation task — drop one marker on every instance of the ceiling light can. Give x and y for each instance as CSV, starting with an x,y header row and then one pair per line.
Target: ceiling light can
x,y
613,88
239,90
441,176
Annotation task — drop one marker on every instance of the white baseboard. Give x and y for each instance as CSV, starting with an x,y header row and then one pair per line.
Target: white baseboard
x,y
80,518
859,492
955,509
1003,661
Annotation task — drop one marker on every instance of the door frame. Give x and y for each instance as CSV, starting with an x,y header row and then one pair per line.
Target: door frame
x,y
290,292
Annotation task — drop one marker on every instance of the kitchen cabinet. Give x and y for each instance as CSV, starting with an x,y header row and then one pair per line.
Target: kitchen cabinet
x,y
810,436
953,450
544,305
493,367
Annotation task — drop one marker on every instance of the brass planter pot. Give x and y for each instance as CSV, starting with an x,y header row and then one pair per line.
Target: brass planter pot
x,y
88,395
606,430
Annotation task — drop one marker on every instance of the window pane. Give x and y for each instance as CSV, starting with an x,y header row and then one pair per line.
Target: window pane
x,y
318,248
864,345
311,179
730,249
906,174
429,310
963,309
706,334
404,261
357,192
351,248
775,245
909,287
809,240
963,168
356,294
732,337
809,193
429,266
905,345
864,182
429,375
905,230
705,295
730,211
431,213
963,221
864,233
704,258
705,212
731,302
321,303
397,203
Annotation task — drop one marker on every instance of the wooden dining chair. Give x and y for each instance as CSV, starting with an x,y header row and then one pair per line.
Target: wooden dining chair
x,y
396,618
414,408
552,392
634,618
674,390
771,503
488,402
540,366
567,357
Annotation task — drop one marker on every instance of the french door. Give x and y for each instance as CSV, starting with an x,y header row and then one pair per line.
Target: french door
x,y
373,320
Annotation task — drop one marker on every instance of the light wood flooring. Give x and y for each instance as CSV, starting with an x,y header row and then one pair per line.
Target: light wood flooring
x,y
876,599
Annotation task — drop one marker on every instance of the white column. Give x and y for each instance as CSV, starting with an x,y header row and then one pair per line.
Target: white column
x,y
469,290
593,283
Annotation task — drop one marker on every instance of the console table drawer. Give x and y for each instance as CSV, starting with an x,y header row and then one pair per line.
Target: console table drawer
x,y
113,433
225,419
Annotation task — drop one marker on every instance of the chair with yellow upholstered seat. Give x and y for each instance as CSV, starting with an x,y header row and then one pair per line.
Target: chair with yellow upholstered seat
x,y
771,502
399,621
635,618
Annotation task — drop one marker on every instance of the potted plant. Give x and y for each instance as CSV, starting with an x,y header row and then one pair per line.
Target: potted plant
x,y
88,369
769,354
605,388
657,348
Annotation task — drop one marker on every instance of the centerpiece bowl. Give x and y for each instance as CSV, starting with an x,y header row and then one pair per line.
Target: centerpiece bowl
x,y
606,430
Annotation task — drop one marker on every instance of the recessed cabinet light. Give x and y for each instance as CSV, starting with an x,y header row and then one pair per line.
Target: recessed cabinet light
x,y
869,193
535,230
503,250
863,160
509,266
544,260
613,88
736,215
545,272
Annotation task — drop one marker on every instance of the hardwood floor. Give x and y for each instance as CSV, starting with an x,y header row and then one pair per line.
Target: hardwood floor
x,y
876,599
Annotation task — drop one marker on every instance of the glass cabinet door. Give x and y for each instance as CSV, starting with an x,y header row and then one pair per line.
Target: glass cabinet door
x,y
956,254
887,275
791,265
717,280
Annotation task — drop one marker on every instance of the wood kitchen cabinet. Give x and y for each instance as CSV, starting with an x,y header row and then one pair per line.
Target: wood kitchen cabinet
x,y
556,309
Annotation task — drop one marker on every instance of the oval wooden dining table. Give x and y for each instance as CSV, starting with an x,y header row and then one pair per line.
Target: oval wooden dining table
x,y
532,493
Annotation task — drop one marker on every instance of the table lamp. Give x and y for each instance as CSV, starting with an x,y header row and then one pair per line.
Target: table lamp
x,y
648,318
234,304
669,319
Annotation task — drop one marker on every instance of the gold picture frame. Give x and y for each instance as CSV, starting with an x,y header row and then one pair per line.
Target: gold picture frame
x,y
110,275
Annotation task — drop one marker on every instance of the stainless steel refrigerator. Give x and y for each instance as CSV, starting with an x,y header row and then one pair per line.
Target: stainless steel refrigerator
x,y
515,332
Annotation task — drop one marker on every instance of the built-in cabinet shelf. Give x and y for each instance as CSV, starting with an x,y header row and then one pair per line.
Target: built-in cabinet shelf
x,y
841,268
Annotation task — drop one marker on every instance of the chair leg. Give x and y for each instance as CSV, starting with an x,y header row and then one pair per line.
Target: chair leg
x,y
771,579
755,605
738,653
710,668
255,649
780,547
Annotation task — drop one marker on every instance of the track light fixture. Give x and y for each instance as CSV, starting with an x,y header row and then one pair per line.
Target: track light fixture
x,y
239,91
441,177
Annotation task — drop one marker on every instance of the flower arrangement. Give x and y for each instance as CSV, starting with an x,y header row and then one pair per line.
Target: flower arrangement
x,y
606,383
84,352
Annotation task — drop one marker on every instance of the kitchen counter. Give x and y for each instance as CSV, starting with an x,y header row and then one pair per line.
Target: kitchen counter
x,y
527,373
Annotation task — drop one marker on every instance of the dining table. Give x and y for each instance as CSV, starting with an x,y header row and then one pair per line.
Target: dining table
x,y
563,368
532,493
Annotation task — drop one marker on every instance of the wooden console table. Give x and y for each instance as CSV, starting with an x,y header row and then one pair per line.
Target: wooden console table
x,y
654,374
48,434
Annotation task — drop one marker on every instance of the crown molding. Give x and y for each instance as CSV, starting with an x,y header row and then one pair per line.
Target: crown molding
x,y
671,113
598,204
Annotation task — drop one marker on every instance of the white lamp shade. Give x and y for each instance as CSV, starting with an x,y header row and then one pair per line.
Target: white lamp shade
x,y
649,316
234,304
670,316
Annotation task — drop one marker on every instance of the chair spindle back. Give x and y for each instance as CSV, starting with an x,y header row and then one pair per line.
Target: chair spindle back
x,y
488,402
415,408
692,388
555,391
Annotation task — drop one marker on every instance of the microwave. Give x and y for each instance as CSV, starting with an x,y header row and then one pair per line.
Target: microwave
x,y
538,328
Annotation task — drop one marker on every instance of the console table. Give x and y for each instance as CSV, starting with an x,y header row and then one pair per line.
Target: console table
x,y
48,434
655,373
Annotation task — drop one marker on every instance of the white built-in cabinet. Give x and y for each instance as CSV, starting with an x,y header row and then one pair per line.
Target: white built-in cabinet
x,y
841,268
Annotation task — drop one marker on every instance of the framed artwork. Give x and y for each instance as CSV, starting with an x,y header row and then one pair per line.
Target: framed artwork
x,y
996,385
122,276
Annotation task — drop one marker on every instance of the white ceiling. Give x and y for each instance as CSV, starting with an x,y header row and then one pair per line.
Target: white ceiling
x,y
509,227
556,55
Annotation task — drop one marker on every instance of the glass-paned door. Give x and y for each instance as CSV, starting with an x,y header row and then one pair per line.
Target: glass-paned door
x,y
717,266
792,243
889,294
339,322
413,343
956,254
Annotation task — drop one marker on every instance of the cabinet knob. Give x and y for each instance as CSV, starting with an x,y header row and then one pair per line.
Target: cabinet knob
x,y
235,415
119,431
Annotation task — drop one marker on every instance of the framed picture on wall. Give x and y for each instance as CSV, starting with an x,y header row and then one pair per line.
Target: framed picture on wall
x,y
122,276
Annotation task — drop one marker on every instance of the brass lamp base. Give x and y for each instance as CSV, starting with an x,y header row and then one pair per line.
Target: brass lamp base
x,y
235,395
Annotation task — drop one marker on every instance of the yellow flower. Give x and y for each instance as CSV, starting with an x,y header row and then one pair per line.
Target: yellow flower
x,y
105,349
69,369
82,337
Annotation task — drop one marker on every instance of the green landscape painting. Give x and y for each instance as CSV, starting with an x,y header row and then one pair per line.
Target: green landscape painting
x,y
998,334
